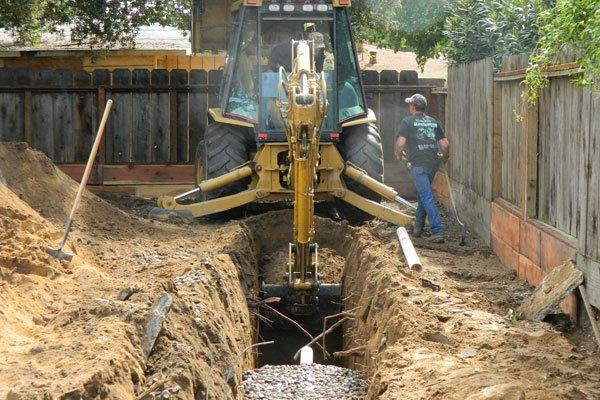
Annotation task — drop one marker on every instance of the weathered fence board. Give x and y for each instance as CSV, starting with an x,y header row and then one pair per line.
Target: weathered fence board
x,y
86,112
512,131
593,181
562,126
197,110
470,131
42,124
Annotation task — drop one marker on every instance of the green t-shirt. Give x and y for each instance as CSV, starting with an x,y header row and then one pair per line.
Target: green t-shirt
x,y
422,134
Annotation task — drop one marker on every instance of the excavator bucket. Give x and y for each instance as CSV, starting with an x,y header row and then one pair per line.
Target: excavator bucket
x,y
328,302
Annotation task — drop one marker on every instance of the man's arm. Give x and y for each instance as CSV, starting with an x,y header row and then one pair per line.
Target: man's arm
x,y
445,147
399,147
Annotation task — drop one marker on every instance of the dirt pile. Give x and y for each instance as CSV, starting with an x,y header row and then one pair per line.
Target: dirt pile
x,y
453,339
76,331
23,234
66,330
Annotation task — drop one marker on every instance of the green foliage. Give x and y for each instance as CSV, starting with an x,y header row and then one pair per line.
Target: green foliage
x,y
101,23
478,29
572,26
411,25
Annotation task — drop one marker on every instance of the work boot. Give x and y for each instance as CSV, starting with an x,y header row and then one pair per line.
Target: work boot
x,y
437,238
416,231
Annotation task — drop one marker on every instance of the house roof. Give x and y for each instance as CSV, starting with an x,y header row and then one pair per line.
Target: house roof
x,y
149,38
389,59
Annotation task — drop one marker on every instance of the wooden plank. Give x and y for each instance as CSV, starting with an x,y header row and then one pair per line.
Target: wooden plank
x,y
198,110
160,136
591,271
557,285
119,128
141,127
489,124
387,124
543,157
12,117
86,117
160,104
42,123
138,174
593,217
183,127
214,80
173,139
574,149
180,116
584,168
154,174
63,128
530,172
497,142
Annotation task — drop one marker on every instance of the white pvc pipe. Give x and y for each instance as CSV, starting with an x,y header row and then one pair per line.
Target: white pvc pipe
x,y
306,355
303,59
412,258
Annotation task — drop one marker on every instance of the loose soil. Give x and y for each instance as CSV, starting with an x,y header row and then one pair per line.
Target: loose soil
x,y
64,332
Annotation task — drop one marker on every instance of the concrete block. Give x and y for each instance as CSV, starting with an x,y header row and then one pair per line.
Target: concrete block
x,y
530,241
506,226
554,251
525,267
505,253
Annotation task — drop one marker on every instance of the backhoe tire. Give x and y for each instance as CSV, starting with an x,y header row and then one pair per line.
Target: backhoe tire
x,y
361,145
224,148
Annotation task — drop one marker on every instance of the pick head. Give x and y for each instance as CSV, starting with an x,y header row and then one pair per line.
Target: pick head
x,y
59,254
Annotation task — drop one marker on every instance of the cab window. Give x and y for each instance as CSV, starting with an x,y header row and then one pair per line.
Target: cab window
x,y
351,100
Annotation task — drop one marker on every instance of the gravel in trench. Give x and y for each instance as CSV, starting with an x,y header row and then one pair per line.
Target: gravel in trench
x,y
304,382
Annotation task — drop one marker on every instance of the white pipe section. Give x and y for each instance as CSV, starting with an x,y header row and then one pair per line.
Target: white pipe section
x,y
306,355
303,61
412,258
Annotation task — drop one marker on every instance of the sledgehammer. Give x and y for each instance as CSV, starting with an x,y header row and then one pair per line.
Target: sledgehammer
x,y
59,253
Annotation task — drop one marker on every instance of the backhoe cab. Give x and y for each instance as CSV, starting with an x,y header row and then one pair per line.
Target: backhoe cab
x,y
292,125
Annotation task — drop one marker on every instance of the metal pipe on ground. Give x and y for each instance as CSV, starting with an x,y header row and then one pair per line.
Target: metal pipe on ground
x,y
412,258
385,191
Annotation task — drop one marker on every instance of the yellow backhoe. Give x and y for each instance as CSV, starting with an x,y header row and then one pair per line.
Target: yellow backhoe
x,y
293,125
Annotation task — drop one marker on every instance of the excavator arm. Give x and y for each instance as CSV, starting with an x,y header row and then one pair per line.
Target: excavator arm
x,y
303,114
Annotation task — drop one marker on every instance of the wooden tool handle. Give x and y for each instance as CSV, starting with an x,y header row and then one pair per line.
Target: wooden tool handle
x,y
90,162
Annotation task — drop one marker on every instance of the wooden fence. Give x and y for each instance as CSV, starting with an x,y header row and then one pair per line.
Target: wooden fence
x,y
158,117
541,165
469,128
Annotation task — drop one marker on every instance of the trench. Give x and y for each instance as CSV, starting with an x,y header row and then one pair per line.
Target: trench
x,y
270,235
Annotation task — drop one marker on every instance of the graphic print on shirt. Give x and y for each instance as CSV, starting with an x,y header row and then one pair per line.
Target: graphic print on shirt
x,y
425,133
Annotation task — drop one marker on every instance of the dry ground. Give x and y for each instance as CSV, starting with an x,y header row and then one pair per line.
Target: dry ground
x,y
64,333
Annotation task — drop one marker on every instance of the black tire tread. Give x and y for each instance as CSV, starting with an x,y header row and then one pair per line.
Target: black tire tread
x,y
224,148
361,145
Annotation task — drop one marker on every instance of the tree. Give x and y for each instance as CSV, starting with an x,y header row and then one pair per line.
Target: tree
x,y
411,25
478,29
100,23
572,26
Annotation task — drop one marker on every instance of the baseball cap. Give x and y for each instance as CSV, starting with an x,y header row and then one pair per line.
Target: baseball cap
x,y
419,101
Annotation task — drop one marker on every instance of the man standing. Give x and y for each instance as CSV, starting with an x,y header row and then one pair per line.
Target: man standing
x,y
424,139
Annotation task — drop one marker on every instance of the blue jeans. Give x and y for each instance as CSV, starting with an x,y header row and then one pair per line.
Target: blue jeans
x,y
422,178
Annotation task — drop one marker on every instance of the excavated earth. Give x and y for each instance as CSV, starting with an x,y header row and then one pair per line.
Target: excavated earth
x,y
78,330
